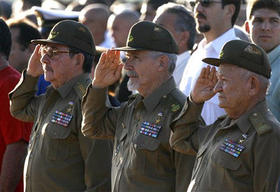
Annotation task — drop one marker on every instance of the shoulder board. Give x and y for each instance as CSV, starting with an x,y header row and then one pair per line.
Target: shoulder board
x,y
175,101
259,123
81,87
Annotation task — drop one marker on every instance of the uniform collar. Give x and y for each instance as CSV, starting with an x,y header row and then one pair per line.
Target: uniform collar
x,y
65,89
153,99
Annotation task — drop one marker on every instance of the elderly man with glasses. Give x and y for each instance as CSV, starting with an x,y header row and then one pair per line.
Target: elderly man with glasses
x,y
215,20
59,157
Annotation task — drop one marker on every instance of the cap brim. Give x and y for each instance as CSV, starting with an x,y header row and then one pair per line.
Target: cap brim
x,y
127,49
213,61
45,41
100,49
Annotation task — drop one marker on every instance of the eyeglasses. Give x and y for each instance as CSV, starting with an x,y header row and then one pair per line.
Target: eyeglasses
x,y
50,52
204,3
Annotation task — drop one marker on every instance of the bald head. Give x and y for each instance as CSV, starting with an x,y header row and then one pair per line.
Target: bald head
x,y
95,17
120,25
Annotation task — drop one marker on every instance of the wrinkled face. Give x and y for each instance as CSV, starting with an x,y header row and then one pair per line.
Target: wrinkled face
x,y
208,16
231,87
19,55
141,69
57,64
119,30
265,28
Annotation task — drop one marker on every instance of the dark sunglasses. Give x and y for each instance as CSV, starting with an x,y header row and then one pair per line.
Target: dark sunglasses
x,y
204,3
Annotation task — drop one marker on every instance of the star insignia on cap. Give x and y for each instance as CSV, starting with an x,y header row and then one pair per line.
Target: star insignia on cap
x,y
252,50
53,34
82,29
130,38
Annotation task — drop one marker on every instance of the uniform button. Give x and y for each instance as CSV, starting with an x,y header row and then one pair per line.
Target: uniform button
x,y
255,114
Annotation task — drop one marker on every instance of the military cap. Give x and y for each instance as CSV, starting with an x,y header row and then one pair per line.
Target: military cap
x,y
146,35
245,55
72,34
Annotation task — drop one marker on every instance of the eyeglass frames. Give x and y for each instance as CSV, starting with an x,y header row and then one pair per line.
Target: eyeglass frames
x,y
204,3
50,52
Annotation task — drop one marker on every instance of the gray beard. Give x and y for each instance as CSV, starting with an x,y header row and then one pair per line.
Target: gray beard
x,y
132,86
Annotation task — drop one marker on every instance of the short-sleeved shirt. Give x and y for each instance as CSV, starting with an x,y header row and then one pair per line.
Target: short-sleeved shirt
x,y
11,129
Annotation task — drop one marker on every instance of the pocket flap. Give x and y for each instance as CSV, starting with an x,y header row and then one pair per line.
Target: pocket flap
x,y
56,131
226,160
146,142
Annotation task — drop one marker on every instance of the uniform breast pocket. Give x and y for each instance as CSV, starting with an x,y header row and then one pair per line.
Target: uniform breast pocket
x,y
145,155
59,142
224,168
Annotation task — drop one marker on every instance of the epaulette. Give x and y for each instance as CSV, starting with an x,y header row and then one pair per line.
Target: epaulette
x,y
81,87
259,123
176,101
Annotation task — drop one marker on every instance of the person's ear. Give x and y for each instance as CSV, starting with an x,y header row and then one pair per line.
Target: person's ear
x,y
230,10
184,38
79,58
163,62
253,85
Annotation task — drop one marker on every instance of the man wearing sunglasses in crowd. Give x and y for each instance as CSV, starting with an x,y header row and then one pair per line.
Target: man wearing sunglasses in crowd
x,y
59,157
215,20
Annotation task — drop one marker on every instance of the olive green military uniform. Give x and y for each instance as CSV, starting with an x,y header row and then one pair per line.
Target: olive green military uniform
x,y
142,159
232,155
59,157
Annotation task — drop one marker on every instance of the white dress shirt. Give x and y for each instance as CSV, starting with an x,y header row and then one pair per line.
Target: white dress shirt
x,y
211,111
181,64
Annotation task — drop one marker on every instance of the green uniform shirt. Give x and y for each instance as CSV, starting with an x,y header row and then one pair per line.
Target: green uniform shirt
x,y
232,155
59,157
142,159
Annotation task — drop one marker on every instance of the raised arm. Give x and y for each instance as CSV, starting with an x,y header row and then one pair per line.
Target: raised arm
x,y
186,132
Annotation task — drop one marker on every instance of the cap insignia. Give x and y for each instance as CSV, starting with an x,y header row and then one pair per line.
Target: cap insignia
x,y
175,107
130,38
252,50
82,29
53,34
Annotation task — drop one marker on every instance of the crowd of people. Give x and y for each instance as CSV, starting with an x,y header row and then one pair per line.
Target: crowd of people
x,y
121,96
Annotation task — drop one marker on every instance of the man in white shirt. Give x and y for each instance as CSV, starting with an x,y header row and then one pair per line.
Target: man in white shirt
x,y
215,20
180,23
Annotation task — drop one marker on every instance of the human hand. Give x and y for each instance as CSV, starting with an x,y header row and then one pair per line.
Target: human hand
x,y
108,69
204,87
34,67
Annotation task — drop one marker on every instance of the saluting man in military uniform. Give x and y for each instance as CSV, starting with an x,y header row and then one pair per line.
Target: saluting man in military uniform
x,y
142,159
240,151
59,157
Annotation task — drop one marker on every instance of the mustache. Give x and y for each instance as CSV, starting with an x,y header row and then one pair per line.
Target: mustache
x,y
200,15
131,73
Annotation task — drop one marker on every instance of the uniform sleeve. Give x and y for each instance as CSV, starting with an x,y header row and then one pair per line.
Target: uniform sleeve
x,y
98,120
23,102
266,162
186,129
97,156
